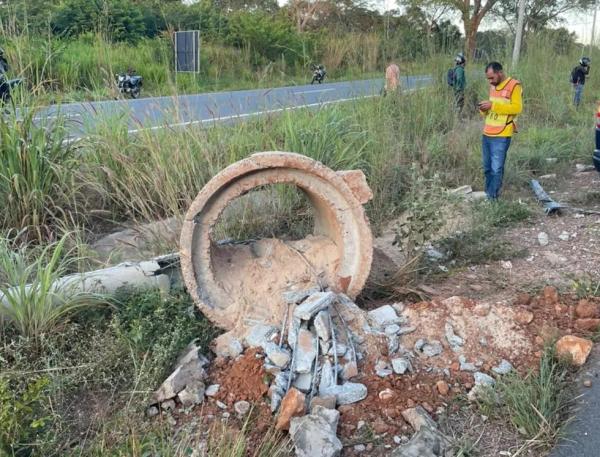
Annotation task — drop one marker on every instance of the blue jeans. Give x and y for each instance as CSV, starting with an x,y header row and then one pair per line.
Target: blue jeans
x,y
494,150
578,92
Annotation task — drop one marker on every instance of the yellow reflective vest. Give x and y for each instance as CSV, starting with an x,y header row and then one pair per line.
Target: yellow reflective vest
x,y
507,102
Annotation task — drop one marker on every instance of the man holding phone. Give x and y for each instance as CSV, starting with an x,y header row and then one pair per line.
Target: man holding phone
x,y
504,104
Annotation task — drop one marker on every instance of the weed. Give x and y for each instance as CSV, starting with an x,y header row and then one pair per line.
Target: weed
x,y
586,286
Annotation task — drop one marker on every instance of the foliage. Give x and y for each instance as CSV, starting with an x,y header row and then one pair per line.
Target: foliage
x,y
22,415
33,300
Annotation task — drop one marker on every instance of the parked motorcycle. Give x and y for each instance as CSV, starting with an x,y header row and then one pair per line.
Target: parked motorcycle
x,y
318,74
129,83
6,88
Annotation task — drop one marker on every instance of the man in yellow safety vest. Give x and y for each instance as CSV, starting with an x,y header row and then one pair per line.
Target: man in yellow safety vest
x,y
504,104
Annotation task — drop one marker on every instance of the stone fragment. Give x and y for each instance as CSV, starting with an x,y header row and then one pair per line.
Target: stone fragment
x,y
419,344
587,383
241,407
504,367
483,379
554,259
432,349
325,402
315,436
386,394
152,411
574,348
306,351
466,366
543,239
292,405
442,387
280,357
406,330
327,377
401,365
383,316
349,371
347,393
212,390
259,335
453,339
524,317
425,443
303,382
293,329
360,448
340,348
551,295
168,405
392,329
417,418
382,369
321,323
220,404
228,346
587,325
189,370
393,344
313,304
192,395
587,310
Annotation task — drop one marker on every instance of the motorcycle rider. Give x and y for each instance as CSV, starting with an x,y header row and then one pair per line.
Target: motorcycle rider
x,y
4,89
578,79
318,74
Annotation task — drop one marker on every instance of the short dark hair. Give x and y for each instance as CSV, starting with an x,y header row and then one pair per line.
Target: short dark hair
x,y
496,66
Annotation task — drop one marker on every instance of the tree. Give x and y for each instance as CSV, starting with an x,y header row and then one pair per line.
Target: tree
x,y
539,14
471,12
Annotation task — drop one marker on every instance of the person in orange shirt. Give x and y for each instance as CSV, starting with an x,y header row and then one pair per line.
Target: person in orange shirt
x,y
504,104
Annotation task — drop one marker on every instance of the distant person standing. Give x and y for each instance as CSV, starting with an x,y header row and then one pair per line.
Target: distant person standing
x,y
504,104
578,79
458,81
392,79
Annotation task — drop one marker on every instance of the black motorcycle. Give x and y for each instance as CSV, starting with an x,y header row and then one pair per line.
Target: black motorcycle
x,y
129,83
7,86
318,74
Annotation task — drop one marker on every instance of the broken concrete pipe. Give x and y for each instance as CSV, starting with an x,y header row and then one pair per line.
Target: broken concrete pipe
x,y
235,285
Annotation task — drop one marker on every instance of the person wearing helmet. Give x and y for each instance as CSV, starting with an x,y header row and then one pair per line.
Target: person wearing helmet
x,y
459,82
578,79
3,64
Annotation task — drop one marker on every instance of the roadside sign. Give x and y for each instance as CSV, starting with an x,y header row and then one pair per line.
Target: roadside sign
x,y
187,51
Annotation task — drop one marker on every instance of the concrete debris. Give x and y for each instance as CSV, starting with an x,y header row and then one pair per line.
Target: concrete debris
x,y
293,405
294,297
227,345
382,369
189,371
391,330
464,365
306,351
406,330
428,441
322,327
303,382
259,335
504,367
313,304
314,435
543,239
192,395
581,168
483,379
564,236
384,316
432,348
401,365
212,390
280,357
454,340
168,405
325,402
152,411
347,393
340,350
393,344
327,376
349,371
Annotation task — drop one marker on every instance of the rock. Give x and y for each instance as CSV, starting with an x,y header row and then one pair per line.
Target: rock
x,y
313,304
587,310
168,405
327,376
549,176
259,335
280,357
382,369
220,404
550,295
293,329
292,405
340,348
477,195
393,344
553,258
306,351
171,421
398,307
152,411
454,340
504,367
506,264
212,390
347,393
192,395
295,297
417,418
401,365
425,443
574,348
543,239
564,236
482,309
442,387
581,168
303,382
434,254
241,407
189,370
432,348
587,325
462,190
383,316
406,330
360,448
524,317
226,345
464,365
321,323
419,344
349,371
314,436
392,330
483,379
386,394
325,402
276,398
587,383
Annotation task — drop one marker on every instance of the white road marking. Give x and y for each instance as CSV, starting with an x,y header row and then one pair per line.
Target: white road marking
x,y
310,91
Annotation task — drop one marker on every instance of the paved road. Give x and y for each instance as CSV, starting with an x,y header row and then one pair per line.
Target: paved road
x,y
161,112
582,435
